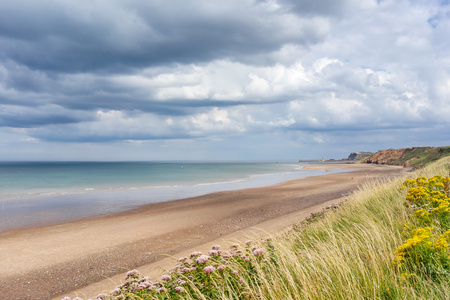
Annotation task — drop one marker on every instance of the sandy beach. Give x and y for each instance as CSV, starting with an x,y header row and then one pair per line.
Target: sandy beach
x,y
90,256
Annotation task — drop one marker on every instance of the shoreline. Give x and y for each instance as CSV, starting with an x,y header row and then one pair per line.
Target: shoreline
x,y
59,208
44,262
146,180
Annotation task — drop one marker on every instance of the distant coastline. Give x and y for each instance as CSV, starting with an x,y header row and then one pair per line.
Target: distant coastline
x,y
354,157
342,161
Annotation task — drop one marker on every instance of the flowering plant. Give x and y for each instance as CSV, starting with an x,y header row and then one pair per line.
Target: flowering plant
x,y
423,251
199,274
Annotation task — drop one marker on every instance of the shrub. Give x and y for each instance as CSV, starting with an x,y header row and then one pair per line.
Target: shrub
x,y
426,249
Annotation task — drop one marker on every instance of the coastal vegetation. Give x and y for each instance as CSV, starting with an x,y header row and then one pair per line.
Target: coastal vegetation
x,y
357,156
388,240
415,157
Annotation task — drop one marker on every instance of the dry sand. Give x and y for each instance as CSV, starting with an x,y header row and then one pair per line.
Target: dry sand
x,y
83,257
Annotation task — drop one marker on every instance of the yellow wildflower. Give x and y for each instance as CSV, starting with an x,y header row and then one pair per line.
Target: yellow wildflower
x,y
422,213
410,183
441,243
439,185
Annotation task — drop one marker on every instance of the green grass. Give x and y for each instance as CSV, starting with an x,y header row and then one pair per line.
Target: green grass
x,y
346,253
417,157
422,156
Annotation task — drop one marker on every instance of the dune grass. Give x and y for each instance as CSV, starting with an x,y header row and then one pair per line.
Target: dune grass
x,y
345,253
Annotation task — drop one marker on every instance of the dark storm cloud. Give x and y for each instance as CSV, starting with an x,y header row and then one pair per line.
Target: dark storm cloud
x,y
76,135
323,7
30,117
43,42
30,121
173,107
84,36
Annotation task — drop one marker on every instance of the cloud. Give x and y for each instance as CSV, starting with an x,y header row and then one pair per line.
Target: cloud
x,y
24,117
315,73
330,8
113,35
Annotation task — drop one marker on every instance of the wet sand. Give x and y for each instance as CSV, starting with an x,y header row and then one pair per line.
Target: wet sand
x,y
68,259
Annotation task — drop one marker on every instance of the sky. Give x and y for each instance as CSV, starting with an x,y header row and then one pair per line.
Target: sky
x,y
221,80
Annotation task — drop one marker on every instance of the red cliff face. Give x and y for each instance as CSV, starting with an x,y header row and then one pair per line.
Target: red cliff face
x,y
415,157
388,157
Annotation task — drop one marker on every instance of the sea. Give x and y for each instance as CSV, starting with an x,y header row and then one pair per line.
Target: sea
x,y
46,193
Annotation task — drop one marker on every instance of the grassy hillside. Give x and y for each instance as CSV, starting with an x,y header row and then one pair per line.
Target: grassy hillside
x,y
410,157
374,246
358,156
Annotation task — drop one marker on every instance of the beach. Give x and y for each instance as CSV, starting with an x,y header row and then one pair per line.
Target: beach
x,y
90,256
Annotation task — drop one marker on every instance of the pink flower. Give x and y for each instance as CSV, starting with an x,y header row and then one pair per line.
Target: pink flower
x,y
214,252
166,277
124,285
195,254
179,289
258,252
160,290
144,285
202,259
235,246
101,296
133,274
248,242
216,247
115,292
209,269
221,268
235,272
185,270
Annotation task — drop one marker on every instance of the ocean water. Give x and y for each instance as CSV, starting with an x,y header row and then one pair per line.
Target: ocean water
x,y
44,193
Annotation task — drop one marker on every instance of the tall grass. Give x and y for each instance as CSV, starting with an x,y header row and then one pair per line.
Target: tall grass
x,y
346,253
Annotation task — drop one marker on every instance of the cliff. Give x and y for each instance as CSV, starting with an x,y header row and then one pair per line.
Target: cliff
x,y
358,155
409,157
